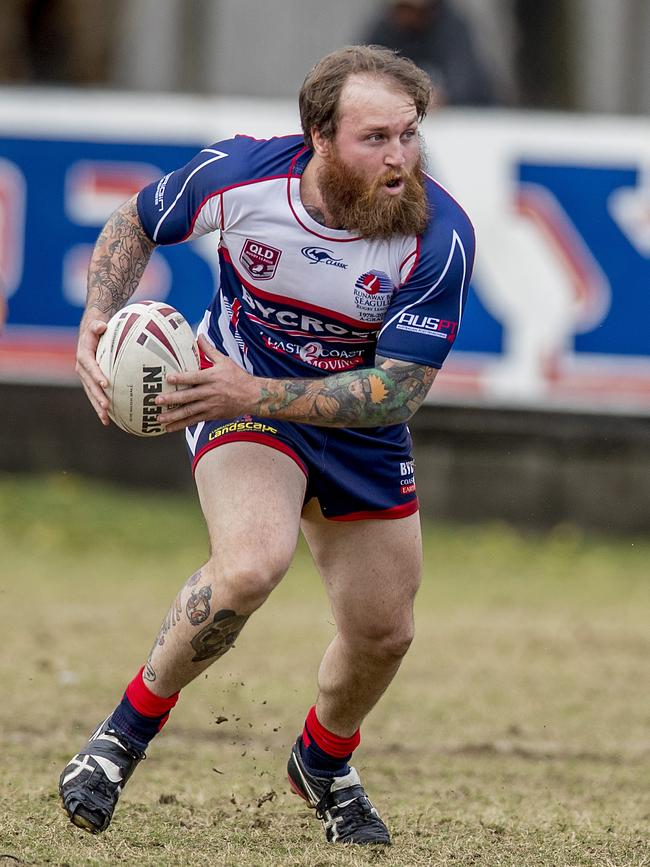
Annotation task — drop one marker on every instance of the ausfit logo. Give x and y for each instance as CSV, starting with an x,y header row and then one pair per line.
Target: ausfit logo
x,y
429,325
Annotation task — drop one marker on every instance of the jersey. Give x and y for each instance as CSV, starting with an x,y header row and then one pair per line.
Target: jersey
x,y
295,298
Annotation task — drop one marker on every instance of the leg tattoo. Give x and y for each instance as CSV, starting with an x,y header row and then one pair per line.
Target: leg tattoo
x,y
219,636
197,606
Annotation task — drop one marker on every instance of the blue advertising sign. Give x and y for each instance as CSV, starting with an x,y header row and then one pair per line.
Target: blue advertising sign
x,y
560,302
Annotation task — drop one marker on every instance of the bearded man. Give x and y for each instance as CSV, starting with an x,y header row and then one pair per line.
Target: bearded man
x,y
343,276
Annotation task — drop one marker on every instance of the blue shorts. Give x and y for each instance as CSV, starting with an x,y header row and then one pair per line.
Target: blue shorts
x,y
355,473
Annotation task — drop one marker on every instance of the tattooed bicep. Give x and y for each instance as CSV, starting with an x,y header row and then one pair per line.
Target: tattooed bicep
x,y
128,219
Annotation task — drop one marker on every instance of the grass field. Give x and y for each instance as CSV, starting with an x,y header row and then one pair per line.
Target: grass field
x,y
516,733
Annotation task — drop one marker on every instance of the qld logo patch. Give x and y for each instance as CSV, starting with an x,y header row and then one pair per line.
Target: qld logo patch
x,y
260,260
372,295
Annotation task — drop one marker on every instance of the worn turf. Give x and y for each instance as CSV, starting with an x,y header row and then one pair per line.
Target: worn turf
x,y
516,733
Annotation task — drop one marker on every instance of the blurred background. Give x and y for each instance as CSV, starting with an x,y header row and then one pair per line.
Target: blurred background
x,y
574,55
538,125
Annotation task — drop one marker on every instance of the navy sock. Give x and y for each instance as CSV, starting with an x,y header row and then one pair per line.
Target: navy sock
x,y
325,753
138,730
141,714
320,764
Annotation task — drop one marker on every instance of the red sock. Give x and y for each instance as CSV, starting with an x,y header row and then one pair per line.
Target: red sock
x,y
324,752
141,714
145,702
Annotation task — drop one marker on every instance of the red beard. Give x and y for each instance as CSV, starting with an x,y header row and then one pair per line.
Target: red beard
x,y
363,208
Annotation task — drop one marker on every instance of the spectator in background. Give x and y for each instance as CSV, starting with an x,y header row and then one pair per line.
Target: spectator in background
x,y
56,41
433,35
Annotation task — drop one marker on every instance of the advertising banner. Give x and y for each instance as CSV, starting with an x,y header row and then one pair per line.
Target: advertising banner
x,y
559,312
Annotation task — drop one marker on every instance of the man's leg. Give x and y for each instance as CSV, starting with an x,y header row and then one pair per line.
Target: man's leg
x,y
372,571
251,498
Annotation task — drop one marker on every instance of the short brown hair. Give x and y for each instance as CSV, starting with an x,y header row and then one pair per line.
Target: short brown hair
x,y
321,90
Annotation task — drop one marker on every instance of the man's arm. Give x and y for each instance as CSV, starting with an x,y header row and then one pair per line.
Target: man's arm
x,y
118,261
388,393
116,267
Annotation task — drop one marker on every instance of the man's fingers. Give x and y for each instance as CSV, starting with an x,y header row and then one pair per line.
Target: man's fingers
x,y
183,395
208,349
194,377
99,405
94,390
183,417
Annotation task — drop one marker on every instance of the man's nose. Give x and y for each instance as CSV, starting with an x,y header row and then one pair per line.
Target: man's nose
x,y
395,156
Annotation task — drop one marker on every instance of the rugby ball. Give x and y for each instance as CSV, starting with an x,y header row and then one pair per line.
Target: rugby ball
x,y
143,343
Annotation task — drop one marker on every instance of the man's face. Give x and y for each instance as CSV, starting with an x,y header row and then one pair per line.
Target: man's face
x,y
371,178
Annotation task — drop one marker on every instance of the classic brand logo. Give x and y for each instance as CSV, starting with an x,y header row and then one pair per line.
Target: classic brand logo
x,y
260,260
321,254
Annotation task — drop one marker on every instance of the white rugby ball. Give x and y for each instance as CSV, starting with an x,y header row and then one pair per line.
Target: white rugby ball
x,y
143,343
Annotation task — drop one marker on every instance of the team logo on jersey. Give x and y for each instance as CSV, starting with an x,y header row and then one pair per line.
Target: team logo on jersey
x,y
321,254
260,260
372,294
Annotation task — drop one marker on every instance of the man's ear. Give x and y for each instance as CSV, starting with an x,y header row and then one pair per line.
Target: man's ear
x,y
321,145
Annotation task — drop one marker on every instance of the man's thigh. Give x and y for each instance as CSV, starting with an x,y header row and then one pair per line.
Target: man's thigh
x,y
371,569
251,497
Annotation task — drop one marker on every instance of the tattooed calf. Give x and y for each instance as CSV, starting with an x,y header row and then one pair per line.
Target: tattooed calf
x,y
173,617
193,579
219,636
197,607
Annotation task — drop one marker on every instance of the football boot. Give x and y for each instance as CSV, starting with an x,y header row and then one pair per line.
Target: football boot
x,y
92,781
341,803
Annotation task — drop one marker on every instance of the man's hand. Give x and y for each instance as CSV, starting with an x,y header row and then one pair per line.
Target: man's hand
x,y
90,373
221,391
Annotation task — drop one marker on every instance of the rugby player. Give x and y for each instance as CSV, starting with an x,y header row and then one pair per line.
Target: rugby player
x,y
343,274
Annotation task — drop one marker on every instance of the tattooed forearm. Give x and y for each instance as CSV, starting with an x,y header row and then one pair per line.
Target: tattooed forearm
x,y
386,394
219,636
118,261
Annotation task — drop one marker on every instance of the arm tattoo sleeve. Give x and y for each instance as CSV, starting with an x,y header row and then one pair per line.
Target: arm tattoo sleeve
x,y
118,261
388,393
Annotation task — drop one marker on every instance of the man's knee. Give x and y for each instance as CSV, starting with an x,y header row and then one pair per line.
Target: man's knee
x,y
385,644
248,579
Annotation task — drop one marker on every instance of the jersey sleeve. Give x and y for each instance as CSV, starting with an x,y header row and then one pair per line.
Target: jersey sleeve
x,y
186,203
424,316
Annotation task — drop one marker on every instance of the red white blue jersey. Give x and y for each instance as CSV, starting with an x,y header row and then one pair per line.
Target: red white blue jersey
x,y
296,298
